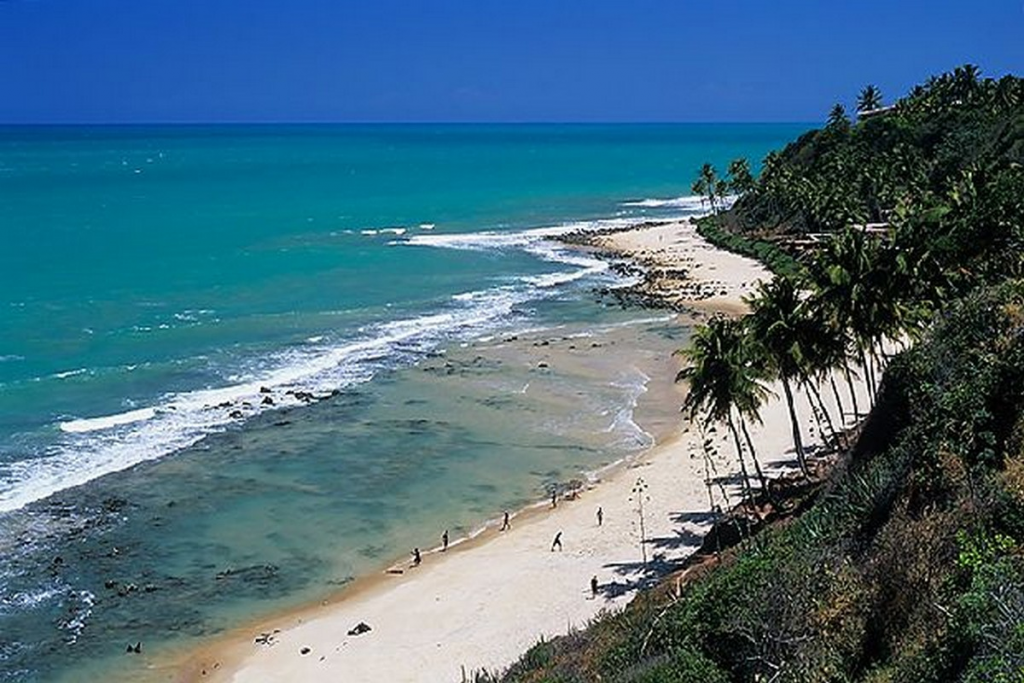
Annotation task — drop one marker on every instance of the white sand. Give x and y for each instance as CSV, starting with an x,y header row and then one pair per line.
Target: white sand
x,y
483,603
725,276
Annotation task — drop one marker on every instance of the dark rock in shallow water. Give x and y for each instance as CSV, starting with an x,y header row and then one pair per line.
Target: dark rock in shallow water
x,y
114,504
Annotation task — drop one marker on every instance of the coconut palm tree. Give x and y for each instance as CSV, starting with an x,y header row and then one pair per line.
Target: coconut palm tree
x,y
724,379
837,118
741,180
870,98
824,349
709,185
840,277
777,323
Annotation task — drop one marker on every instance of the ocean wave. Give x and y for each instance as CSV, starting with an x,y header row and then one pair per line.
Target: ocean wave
x,y
631,434
69,373
691,204
397,230
98,423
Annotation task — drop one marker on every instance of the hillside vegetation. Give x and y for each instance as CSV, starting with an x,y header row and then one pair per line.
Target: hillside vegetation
x,y
907,563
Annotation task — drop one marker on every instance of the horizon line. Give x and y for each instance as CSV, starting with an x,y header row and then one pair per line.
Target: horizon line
x,y
13,124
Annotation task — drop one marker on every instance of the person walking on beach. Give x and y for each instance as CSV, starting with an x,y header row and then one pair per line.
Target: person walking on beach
x,y
505,526
557,543
444,541
593,586
554,498
600,516
416,557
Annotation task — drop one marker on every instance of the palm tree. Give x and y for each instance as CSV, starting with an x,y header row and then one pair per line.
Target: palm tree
x,y
870,98
724,377
741,180
709,185
840,277
778,326
837,118
824,349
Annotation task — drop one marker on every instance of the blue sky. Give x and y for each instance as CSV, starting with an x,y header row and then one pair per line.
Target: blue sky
x,y
482,60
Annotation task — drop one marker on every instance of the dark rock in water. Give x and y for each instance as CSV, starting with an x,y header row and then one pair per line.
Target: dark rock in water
x,y
114,504
264,390
110,583
304,651
257,573
359,629
235,414
267,401
134,649
542,364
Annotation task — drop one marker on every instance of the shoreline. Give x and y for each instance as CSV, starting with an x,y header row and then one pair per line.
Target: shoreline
x,y
485,576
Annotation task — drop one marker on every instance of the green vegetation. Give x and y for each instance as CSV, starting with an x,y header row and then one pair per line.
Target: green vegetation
x,y
767,253
909,565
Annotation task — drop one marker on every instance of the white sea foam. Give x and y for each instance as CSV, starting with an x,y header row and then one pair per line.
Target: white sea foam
x,y
631,434
69,373
98,423
691,202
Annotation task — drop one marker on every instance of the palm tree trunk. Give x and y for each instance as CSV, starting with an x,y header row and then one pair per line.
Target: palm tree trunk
x,y
753,456
743,462
881,362
853,390
707,482
795,423
819,421
839,401
824,411
869,375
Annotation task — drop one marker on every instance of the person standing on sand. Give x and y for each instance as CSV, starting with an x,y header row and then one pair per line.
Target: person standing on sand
x,y
505,526
593,586
444,541
557,542
554,498
416,557
600,516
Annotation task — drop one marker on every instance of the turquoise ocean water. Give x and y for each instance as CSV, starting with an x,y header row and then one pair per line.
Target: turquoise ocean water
x,y
173,297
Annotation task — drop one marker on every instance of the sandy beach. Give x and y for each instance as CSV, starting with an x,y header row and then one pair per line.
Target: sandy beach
x,y
482,603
